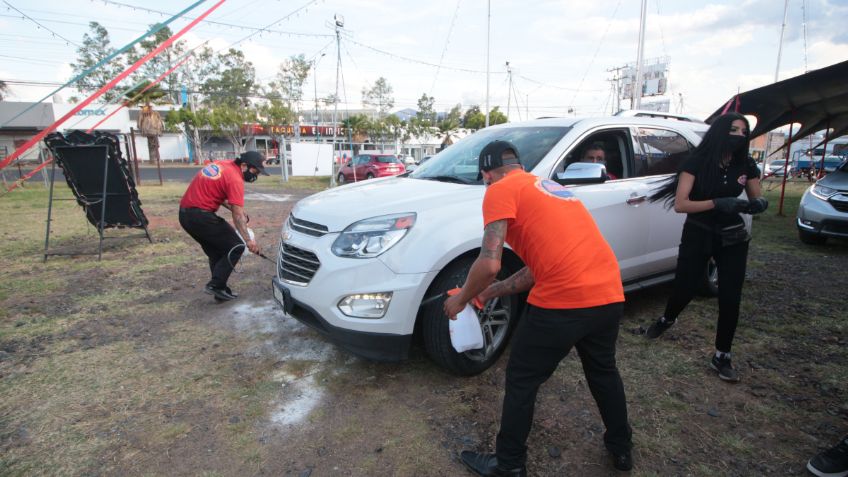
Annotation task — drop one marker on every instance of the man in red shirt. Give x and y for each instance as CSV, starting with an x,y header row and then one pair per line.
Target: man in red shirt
x,y
220,184
576,300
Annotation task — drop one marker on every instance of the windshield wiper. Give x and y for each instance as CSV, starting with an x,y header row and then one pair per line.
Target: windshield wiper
x,y
458,180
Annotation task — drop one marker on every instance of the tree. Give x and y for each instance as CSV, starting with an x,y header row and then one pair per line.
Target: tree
x,y
425,109
496,116
358,125
95,47
470,113
379,95
149,122
290,79
232,81
160,63
448,125
4,90
226,120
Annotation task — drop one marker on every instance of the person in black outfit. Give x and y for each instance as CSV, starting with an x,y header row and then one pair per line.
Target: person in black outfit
x,y
707,189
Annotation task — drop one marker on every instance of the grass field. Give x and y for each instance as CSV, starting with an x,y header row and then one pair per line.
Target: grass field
x,y
123,367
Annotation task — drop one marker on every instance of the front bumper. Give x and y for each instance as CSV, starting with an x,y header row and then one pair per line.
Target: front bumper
x,y
369,345
820,217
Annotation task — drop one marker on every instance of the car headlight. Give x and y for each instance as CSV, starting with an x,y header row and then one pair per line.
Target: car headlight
x,y
823,192
370,237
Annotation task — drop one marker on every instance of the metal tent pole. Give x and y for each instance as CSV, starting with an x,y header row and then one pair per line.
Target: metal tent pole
x,y
49,209
786,165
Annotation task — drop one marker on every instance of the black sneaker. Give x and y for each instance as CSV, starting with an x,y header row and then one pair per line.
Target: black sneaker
x,y
724,368
832,462
658,327
234,294
623,461
220,294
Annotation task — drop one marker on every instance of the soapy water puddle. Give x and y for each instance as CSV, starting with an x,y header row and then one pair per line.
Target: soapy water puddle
x,y
268,197
289,341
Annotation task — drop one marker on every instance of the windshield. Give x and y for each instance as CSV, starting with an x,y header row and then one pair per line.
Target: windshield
x,y
459,161
387,159
778,163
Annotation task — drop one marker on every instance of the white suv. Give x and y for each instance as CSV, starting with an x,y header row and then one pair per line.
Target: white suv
x,y
357,261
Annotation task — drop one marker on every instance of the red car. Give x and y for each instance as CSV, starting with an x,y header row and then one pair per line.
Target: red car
x,y
369,166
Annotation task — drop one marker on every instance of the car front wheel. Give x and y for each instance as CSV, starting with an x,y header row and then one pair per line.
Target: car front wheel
x,y
497,319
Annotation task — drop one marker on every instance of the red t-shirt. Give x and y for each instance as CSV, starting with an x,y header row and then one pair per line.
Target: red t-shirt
x,y
553,233
215,183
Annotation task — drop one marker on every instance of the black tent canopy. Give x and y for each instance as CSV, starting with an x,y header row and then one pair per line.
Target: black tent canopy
x,y
817,100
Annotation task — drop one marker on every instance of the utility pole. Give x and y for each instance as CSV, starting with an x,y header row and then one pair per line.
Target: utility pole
x,y
488,56
780,44
339,22
636,97
509,91
616,81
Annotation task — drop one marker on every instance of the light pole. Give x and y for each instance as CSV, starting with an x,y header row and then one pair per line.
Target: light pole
x,y
315,81
339,21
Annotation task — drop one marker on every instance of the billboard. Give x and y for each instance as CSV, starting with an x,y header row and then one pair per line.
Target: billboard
x,y
662,105
654,78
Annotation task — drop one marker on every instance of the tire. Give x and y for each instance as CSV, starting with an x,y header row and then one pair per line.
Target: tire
x,y
341,179
709,287
811,238
498,319
369,176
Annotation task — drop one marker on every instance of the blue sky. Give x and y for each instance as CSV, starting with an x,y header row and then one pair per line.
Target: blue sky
x,y
560,50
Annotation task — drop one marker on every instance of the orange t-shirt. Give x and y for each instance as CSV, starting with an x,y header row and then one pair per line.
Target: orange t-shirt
x,y
553,233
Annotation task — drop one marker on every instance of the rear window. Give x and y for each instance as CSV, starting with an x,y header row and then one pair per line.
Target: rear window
x,y
388,159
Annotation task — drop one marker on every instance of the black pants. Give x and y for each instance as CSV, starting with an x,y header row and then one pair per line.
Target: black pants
x,y
543,338
696,248
217,238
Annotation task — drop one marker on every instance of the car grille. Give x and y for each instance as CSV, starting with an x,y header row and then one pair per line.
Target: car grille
x,y
306,227
840,228
296,265
840,205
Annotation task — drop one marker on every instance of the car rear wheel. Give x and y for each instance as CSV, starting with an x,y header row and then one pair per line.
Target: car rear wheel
x,y
497,319
810,238
341,179
369,176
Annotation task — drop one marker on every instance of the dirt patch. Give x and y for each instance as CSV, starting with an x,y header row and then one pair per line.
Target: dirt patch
x,y
126,367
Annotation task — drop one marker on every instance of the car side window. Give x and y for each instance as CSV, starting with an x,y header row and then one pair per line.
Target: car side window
x,y
659,151
611,145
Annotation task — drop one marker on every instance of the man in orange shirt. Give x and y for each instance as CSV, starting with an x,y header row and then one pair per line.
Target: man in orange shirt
x,y
576,300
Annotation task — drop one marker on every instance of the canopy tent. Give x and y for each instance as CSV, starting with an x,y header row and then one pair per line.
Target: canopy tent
x,y
817,100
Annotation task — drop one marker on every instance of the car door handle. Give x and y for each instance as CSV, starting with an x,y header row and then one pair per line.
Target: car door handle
x,y
637,200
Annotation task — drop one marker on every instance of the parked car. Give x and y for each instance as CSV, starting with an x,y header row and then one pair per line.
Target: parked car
x,y
369,166
357,262
823,211
776,168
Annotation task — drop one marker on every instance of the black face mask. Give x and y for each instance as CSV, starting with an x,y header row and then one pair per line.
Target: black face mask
x,y
249,176
733,143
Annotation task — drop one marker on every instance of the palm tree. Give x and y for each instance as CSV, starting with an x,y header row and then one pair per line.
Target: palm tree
x,y
149,122
357,125
448,128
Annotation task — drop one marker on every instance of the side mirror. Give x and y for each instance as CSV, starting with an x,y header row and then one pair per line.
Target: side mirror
x,y
582,173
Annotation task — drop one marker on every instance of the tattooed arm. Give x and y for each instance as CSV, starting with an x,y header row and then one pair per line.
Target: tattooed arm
x,y
483,270
518,282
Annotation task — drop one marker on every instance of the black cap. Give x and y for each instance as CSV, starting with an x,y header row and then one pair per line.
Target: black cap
x,y
255,160
491,156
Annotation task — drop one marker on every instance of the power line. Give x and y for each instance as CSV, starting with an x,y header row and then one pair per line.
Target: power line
x,y
595,55
229,25
67,41
445,48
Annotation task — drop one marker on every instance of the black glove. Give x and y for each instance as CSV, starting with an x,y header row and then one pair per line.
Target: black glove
x,y
760,204
730,205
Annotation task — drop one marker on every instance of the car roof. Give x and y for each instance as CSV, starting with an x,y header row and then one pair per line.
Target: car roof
x,y
593,121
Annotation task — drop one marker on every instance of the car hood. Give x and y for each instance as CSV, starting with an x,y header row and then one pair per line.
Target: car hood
x,y
341,206
836,180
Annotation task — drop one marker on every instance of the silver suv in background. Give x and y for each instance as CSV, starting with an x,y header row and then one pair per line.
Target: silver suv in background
x,y
823,211
362,263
